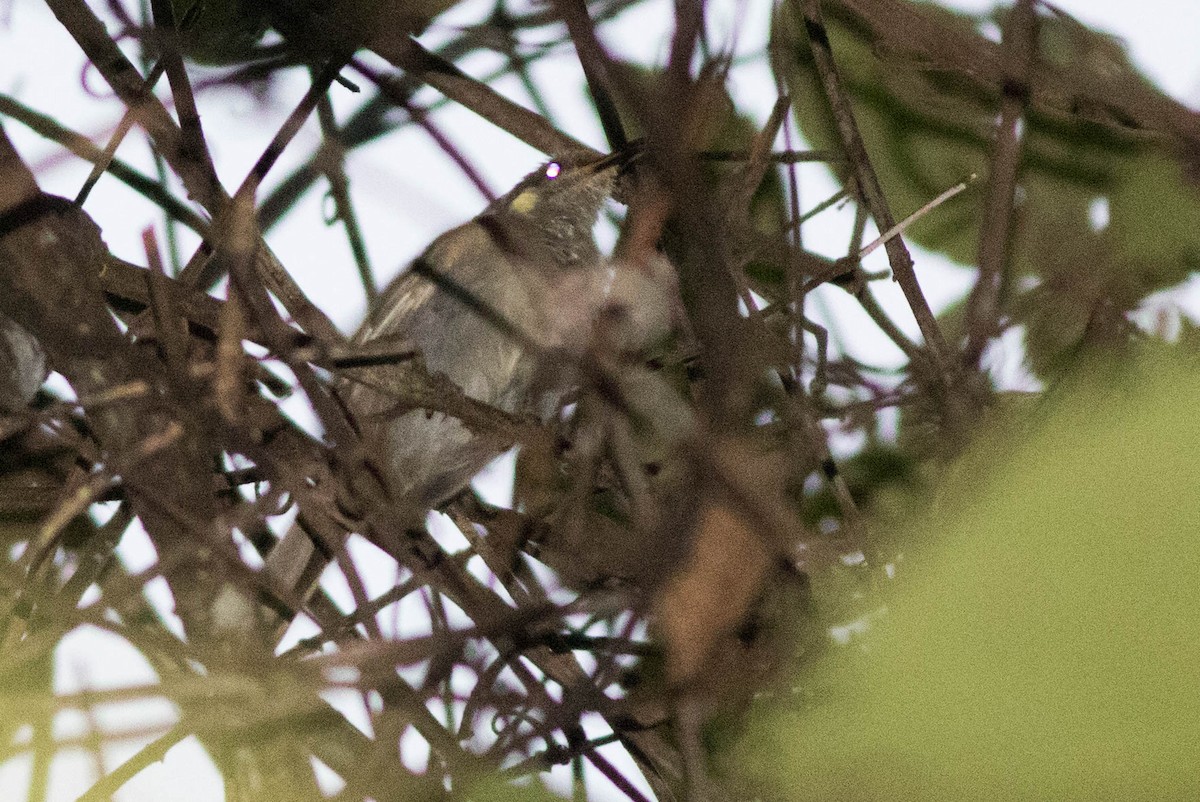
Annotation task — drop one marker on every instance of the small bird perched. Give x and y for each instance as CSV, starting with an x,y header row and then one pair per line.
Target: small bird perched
x,y
479,305
524,275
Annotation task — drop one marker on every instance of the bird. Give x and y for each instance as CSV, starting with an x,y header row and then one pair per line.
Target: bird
x,y
483,304
478,305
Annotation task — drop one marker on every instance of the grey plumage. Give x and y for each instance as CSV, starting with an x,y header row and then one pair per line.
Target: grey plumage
x,y
483,304
530,268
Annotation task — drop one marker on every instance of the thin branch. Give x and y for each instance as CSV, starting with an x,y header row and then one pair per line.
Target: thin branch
x,y
201,272
580,26
983,304
481,99
421,118
868,183
903,225
333,164
124,126
191,132
149,754
83,147
91,36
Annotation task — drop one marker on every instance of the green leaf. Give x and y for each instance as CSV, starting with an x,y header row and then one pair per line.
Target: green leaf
x,y
1042,642
926,127
220,31
1153,219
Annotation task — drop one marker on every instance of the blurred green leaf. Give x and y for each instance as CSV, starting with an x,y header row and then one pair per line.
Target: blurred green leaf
x,y
228,31
1045,645
1153,214
878,467
220,31
494,790
927,128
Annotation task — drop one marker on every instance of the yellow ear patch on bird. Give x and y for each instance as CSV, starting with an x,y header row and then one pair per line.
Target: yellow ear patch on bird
x,y
524,202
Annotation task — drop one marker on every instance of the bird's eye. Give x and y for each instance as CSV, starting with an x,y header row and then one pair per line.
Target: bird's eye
x,y
552,170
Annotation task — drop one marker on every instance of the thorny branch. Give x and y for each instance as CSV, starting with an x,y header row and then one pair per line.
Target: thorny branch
x,y
678,497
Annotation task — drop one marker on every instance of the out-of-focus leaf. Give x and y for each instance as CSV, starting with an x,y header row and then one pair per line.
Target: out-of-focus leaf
x,y
1078,308
874,469
925,128
496,790
220,31
1153,210
35,680
704,604
1044,646
228,31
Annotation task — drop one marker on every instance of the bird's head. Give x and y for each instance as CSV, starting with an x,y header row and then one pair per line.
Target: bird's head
x,y
559,202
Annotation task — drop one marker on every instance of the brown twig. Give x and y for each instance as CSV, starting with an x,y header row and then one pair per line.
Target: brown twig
x,y
195,169
580,26
333,164
483,100
868,184
88,31
82,147
983,304
106,160
194,147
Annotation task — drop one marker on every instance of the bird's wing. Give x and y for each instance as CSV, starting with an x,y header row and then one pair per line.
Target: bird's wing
x,y
433,456
453,338
394,309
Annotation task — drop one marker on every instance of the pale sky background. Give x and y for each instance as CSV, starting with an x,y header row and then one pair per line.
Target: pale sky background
x,y
406,193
